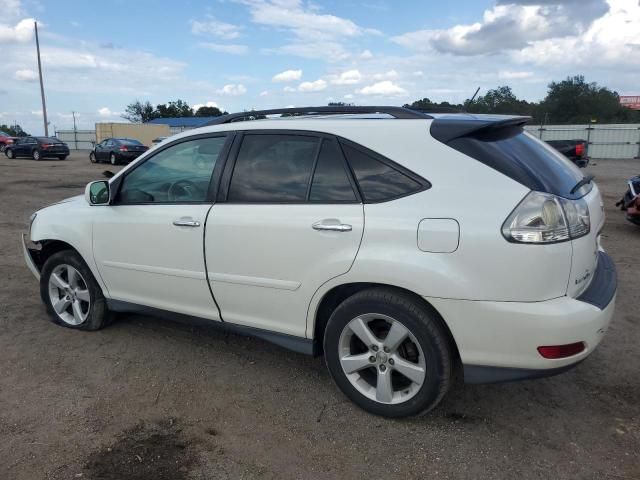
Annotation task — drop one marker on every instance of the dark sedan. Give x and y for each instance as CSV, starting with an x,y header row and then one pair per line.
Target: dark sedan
x,y
117,150
37,148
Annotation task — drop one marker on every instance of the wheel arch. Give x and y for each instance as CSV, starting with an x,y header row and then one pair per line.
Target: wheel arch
x,y
49,248
339,293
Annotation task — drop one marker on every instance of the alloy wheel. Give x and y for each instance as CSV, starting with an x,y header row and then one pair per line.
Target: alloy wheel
x,y
382,358
69,294
113,159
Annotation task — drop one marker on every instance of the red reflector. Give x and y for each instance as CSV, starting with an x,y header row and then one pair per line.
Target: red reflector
x,y
580,149
561,351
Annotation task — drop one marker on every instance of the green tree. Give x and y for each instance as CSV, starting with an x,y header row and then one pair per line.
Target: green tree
x,y
13,131
209,112
139,112
429,106
177,108
502,101
575,100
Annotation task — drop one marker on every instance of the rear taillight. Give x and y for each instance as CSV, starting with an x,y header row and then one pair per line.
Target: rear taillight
x,y
561,351
545,218
46,145
579,149
123,149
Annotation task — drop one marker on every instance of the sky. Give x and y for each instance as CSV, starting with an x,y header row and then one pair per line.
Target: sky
x,y
98,57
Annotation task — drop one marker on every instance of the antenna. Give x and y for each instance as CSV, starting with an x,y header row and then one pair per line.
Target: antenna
x,y
474,95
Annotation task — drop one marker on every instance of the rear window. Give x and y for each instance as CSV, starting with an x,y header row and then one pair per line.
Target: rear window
x,y
378,181
49,140
129,141
525,159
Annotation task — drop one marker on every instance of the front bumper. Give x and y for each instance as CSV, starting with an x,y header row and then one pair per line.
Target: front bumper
x,y
28,258
498,341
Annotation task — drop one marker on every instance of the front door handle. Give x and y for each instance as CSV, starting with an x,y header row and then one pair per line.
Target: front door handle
x,y
332,225
186,222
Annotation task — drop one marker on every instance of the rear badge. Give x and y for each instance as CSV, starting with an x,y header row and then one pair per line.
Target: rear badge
x,y
583,278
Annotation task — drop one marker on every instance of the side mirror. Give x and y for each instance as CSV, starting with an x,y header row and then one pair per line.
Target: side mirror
x,y
97,193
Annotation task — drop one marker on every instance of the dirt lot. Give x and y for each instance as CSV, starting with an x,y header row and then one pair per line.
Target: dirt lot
x,y
151,399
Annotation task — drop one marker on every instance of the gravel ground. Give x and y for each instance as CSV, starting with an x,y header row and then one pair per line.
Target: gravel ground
x,y
152,399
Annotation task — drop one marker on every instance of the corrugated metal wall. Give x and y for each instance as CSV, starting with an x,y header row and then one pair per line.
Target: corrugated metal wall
x,y
78,139
605,141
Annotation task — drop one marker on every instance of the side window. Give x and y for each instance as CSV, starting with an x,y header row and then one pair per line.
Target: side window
x,y
378,181
330,180
273,168
179,174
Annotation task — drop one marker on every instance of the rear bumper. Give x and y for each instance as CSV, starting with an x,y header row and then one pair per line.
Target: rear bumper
x,y
498,341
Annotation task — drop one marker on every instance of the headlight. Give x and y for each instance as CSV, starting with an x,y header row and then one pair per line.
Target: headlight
x,y
545,218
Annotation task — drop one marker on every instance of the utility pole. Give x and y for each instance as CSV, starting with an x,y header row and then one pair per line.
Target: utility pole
x,y
75,130
44,104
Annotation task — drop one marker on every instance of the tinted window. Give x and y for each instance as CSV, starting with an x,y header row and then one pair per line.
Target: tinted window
x,y
273,168
48,140
524,158
330,180
181,173
378,181
128,141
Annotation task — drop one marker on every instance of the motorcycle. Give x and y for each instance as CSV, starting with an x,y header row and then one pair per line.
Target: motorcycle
x,y
630,202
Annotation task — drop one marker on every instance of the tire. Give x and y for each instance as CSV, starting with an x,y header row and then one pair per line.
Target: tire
x,y
82,290
62,157
36,155
425,352
92,157
113,159
9,153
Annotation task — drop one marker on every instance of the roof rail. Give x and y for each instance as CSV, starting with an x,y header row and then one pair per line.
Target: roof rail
x,y
396,112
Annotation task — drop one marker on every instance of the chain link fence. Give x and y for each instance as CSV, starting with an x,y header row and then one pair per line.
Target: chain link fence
x,y
603,141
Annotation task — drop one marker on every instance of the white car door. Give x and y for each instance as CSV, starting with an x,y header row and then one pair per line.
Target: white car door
x,y
148,244
289,219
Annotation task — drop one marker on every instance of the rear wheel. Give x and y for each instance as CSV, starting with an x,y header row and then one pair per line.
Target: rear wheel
x,y
114,159
9,153
36,155
71,294
388,352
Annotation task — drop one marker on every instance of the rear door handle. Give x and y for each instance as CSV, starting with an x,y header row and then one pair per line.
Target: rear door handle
x,y
186,222
332,225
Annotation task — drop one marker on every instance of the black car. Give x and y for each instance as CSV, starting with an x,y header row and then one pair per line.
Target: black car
x,y
574,150
37,148
117,150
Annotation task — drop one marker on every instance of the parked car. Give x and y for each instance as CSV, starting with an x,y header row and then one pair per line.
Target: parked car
x,y
5,139
157,140
352,235
574,150
37,148
630,201
117,151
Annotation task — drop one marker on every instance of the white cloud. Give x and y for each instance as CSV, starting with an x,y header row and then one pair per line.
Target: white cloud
x,y
348,96
315,86
232,89
366,55
107,112
287,76
11,9
207,104
508,27
211,26
22,32
231,49
385,88
350,77
514,75
289,89
26,75
418,73
390,75
264,93
328,51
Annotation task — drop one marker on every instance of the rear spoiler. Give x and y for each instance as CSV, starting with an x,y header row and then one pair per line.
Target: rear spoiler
x,y
446,129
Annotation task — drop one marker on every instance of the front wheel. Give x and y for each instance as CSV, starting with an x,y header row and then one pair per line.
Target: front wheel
x,y
36,155
92,157
388,352
114,159
62,157
71,294
9,153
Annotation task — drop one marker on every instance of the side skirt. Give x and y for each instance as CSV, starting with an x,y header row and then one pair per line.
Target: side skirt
x,y
290,342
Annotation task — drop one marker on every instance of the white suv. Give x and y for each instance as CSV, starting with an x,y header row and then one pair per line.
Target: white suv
x,y
402,246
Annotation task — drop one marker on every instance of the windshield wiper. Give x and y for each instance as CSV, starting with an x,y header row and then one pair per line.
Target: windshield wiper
x,y
585,180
